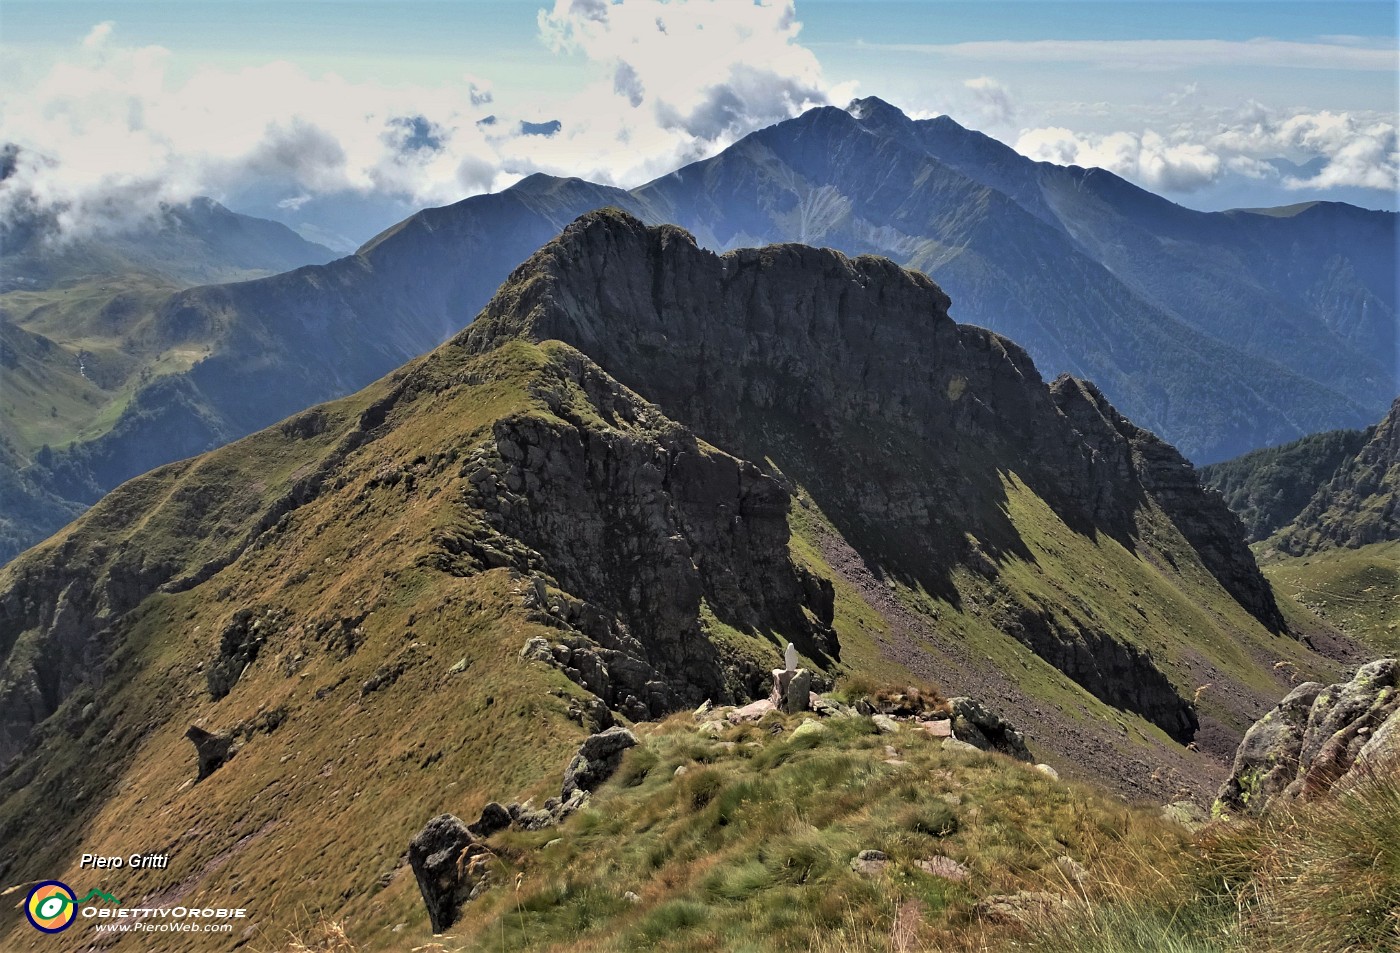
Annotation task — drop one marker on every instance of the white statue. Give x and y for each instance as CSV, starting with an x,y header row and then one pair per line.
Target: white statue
x,y
790,658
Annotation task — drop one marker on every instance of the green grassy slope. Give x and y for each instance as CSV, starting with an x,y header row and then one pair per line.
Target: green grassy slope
x,y
1354,590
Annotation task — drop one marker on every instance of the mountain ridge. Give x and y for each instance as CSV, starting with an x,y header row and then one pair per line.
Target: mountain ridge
x,y
300,338
503,537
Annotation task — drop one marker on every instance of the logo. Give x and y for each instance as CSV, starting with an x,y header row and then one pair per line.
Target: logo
x,y
51,907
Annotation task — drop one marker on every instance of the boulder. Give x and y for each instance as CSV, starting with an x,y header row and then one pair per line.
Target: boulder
x,y
494,818
1186,813
884,724
798,696
1317,739
597,760
979,726
809,728
213,749
440,858
945,867
869,863
937,727
752,711
1027,908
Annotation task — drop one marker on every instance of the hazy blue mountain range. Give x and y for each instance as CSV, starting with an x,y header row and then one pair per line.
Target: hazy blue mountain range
x,y
1220,331
78,338
196,243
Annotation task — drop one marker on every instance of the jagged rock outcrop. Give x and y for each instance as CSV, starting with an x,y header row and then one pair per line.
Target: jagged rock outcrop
x,y
1132,464
783,353
597,760
449,858
1360,504
637,523
1316,740
975,724
213,749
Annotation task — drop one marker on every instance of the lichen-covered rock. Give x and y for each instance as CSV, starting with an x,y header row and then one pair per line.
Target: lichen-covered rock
x,y
1186,813
979,726
1315,740
1266,761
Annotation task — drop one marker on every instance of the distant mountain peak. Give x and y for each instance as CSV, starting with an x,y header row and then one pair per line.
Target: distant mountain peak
x,y
872,107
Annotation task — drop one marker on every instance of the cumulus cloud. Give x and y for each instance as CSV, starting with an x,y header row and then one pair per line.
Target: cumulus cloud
x,y
1145,158
1355,150
991,100
684,78
111,130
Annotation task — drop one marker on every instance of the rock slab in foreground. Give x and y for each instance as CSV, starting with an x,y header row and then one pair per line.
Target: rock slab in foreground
x,y
1315,740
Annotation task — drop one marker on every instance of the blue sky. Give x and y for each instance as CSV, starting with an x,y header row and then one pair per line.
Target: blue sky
x,y
286,104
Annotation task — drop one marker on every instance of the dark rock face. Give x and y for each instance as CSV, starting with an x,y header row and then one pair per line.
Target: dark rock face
x,y
849,377
438,855
1317,739
57,617
1126,456
597,760
638,522
1117,672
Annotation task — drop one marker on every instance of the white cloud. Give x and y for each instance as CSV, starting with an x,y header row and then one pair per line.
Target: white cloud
x,y
111,130
1360,150
1145,158
991,99
1356,54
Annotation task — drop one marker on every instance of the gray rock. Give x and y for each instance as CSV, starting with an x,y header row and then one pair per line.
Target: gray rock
x,y
597,760
884,724
1027,908
1317,739
1186,813
979,726
829,707
869,863
945,867
439,855
799,689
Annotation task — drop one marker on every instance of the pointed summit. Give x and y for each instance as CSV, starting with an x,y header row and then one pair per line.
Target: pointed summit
x,y
873,109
